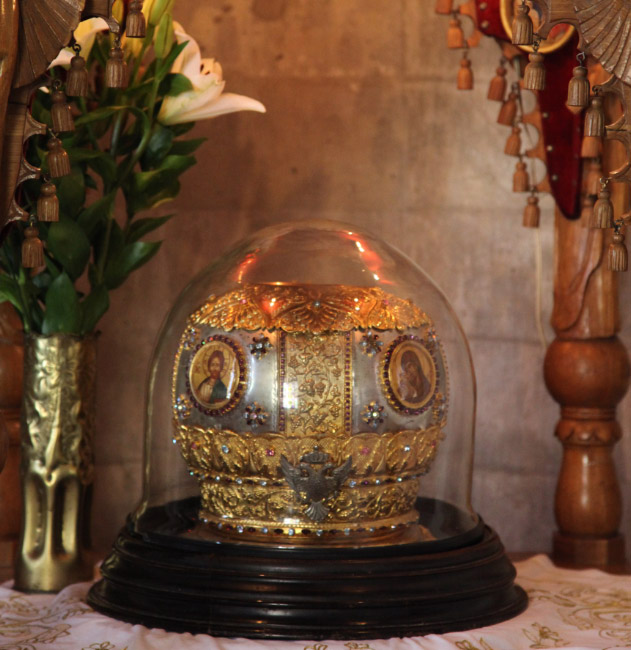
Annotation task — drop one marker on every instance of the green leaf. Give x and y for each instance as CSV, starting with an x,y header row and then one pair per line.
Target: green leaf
x,y
71,192
165,66
129,259
142,227
115,245
95,214
52,267
135,91
42,281
177,164
90,182
69,246
185,147
149,188
181,129
105,167
175,84
10,292
167,193
63,312
80,154
98,114
93,307
158,147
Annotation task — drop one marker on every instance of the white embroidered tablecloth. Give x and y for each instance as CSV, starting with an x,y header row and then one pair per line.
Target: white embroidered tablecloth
x,y
568,609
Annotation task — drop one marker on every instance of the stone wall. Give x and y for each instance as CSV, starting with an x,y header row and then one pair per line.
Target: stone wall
x,y
364,124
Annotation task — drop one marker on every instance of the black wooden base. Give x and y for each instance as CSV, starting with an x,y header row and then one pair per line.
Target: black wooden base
x,y
247,590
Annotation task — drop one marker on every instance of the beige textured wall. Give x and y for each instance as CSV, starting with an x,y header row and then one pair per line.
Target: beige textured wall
x,y
364,124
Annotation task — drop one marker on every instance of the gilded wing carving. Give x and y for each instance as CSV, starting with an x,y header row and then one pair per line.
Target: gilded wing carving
x,y
45,27
605,26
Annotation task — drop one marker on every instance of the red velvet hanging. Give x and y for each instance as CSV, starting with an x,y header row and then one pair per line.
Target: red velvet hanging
x,y
562,131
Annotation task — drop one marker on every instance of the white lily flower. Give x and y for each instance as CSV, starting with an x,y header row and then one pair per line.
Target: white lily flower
x,y
207,98
84,35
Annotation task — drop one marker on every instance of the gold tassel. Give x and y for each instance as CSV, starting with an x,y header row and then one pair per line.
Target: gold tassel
x,y
32,248
116,68
77,81
587,210
595,118
465,74
578,90
60,111
513,144
521,180
48,203
594,174
497,87
508,111
617,257
455,35
58,161
523,30
532,212
603,209
535,73
444,7
135,26
591,147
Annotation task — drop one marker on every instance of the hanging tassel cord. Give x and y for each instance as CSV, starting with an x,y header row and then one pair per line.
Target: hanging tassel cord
x,y
537,248
528,131
538,252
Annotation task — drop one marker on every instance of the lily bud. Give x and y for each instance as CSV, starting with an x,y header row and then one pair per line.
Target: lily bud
x,y
165,37
157,9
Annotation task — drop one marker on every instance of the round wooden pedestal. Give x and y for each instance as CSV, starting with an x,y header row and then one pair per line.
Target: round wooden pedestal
x,y
262,591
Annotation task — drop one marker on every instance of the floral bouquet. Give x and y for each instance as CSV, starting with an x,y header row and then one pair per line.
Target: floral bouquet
x,y
126,143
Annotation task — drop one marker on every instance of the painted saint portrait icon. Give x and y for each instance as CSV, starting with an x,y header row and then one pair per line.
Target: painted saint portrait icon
x,y
215,375
412,374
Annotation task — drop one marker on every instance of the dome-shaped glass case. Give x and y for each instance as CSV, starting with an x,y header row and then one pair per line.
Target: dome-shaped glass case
x,y
311,391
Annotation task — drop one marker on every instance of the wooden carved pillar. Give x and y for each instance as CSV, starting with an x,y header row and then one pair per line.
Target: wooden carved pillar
x,y
587,372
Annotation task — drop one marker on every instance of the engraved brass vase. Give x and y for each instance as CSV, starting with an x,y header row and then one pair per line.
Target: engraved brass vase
x,y
57,461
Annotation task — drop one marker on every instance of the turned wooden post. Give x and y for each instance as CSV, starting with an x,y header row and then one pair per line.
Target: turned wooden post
x,y
587,372
588,378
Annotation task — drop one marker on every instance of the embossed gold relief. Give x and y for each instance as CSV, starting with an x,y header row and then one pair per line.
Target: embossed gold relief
x,y
277,507
57,459
313,309
257,455
315,375
242,482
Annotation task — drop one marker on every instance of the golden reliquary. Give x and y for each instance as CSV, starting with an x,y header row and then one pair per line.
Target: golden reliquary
x,y
309,446
309,410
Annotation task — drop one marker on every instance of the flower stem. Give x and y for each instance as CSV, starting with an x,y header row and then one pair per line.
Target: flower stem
x,y
100,267
145,45
116,132
88,127
26,314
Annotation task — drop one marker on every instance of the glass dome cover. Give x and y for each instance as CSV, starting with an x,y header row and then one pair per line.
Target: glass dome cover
x,y
311,387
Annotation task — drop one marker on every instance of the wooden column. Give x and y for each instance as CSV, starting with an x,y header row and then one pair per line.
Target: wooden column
x,y
587,372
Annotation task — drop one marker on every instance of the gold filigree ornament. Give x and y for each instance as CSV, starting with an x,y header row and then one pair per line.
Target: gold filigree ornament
x,y
307,469
313,309
243,486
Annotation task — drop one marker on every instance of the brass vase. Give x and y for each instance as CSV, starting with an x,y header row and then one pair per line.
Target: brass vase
x,y
57,461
